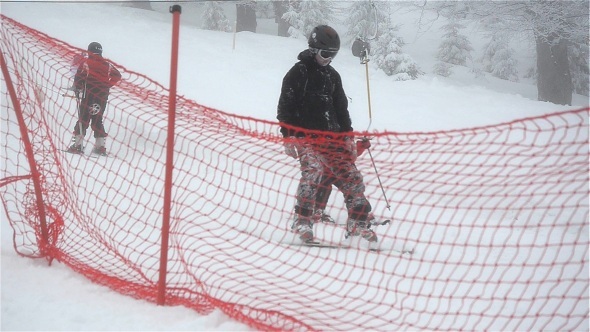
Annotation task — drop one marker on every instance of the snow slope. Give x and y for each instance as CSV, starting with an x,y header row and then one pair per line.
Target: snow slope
x,y
245,80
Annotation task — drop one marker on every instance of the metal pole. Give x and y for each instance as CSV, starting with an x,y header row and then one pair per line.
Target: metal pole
x,y
368,94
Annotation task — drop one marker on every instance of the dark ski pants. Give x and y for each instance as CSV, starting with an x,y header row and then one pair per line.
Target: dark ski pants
x,y
91,114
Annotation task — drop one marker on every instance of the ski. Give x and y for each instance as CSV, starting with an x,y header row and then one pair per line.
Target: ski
x,y
373,223
97,156
318,244
91,155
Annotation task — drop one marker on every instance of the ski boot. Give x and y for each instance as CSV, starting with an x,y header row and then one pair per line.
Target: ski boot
x,y
76,146
77,149
99,147
320,215
373,221
302,226
100,150
360,228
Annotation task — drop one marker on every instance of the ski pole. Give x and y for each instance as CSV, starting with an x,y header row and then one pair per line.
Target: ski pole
x,y
78,106
365,60
379,179
361,48
369,126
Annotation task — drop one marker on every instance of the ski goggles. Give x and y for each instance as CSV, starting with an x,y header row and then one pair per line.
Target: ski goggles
x,y
325,54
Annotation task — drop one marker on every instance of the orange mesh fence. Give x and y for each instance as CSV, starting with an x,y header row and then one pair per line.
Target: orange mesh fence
x,y
497,217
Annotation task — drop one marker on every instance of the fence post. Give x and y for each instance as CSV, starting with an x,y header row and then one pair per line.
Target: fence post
x,y
36,176
175,10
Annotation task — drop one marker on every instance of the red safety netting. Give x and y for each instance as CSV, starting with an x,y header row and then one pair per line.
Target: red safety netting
x,y
497,216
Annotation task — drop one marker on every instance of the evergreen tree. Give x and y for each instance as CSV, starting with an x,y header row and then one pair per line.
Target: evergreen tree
x,y
371,20
214,18
292,17
264,9
280,8
455,48
303,16
488,52
551,25
366,19
498,59
389,57
443,69
504,65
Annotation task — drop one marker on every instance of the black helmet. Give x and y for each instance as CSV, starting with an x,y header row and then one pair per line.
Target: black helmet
x,y
95,48
325,38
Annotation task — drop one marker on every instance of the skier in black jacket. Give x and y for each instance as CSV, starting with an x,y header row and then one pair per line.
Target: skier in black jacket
x,y
316,124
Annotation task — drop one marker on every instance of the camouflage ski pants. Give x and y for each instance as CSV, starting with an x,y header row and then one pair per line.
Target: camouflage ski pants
x,y
315,159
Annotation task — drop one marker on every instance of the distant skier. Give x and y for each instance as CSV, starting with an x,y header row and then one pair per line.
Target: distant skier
x,y
92,82
312,98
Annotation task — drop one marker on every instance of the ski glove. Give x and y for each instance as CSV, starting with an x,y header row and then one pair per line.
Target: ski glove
x,y
362,145
291,147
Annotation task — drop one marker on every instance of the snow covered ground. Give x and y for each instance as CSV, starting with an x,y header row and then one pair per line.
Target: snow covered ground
x,y
245,80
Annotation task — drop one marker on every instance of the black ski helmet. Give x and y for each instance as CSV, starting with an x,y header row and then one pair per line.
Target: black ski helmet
x,y
95,48
324,37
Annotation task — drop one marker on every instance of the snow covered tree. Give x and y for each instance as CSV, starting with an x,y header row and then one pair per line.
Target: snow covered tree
x,y
280,8
504,65
303,16
443,69
214,18
366,19
455,48
498,59
389,57
371,20
550,25
292,17
265,9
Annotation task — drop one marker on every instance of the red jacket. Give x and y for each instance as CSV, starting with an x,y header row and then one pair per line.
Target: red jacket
x,y
95,77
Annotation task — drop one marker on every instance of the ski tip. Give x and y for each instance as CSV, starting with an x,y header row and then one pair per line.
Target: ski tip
x,y
408,251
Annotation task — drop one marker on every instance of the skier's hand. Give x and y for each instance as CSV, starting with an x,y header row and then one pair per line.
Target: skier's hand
x,y
361,145
291,147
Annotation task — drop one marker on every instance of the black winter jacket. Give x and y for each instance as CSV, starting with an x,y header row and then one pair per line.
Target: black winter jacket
x,y
312,97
